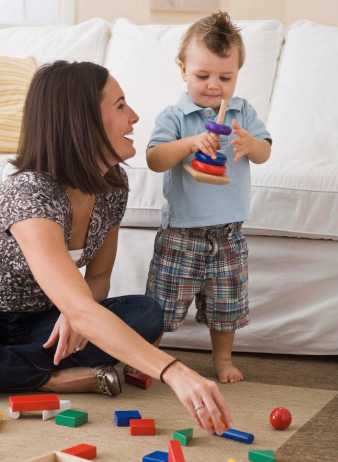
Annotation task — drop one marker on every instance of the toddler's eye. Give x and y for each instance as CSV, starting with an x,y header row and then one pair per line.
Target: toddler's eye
x,y
202,77
225,79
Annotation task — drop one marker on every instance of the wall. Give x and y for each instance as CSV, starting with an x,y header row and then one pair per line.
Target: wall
x,y
287,11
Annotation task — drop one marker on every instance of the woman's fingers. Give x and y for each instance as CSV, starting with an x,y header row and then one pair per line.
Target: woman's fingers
x,y
60,350
53,336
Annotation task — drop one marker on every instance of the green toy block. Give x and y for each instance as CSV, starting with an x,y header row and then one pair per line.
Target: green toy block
x,y
262,456
183,436
71,418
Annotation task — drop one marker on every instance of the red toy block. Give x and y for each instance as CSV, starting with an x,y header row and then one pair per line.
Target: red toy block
x,y
142,427
86,451
175,451
138,379
42,402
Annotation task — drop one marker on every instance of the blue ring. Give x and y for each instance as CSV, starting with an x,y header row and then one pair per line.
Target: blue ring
x,y
220,159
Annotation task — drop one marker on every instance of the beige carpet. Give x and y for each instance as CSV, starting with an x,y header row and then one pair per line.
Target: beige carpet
x,y
250,403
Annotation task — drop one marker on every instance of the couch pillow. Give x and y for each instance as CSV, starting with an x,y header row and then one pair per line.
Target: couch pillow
x,y
142,58
304,110
15,77
83,42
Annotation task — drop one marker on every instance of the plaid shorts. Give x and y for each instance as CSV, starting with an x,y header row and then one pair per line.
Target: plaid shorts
x,y
210,264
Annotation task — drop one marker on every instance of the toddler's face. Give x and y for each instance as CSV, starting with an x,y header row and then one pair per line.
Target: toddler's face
x,y
209,78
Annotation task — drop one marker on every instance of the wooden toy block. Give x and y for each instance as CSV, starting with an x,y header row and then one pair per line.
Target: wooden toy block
x,y
84,450
138,379
71,418
26,403
236,435
157,456
142,427
183,436
2,417
56,456
262,456
64,404
175,451
122,418
231,460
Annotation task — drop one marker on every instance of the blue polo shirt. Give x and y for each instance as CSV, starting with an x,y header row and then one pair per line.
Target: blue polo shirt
x,y
191,204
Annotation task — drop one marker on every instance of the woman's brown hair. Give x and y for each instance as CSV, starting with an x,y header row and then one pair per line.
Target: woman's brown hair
x,y
218,34
62,132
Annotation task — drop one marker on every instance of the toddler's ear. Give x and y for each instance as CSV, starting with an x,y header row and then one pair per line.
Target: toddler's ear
x,y
182,67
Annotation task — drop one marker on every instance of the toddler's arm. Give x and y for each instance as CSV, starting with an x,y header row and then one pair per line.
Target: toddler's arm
x,y
164,156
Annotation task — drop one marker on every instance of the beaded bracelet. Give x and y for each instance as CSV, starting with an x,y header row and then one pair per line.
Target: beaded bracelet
x,y
167,367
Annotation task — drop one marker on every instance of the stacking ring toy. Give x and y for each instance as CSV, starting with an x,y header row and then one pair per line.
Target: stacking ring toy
x,y
220,159
218,170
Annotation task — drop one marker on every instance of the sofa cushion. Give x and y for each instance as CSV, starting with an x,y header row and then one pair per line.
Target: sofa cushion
x,y
142,58
296,192
83,42
15,77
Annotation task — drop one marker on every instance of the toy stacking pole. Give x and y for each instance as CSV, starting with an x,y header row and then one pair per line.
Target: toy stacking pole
x,y
221,112
205,169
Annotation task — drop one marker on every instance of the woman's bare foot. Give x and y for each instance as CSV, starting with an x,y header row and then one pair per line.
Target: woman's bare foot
x,y
228,373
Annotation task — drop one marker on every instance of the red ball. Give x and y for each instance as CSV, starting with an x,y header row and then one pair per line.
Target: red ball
x,y
280,418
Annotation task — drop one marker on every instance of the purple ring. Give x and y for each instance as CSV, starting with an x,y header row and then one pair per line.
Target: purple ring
x,y
218,128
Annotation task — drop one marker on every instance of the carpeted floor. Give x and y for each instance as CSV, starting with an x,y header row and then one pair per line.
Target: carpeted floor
x,y
307,386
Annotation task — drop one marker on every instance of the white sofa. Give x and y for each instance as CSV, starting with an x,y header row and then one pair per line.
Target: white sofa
x,y
290,76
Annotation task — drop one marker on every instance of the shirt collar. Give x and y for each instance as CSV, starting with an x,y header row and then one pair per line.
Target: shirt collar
x,y
187,106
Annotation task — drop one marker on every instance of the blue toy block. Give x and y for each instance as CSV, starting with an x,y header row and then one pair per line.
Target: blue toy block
x,y
157,456
122,418
237,435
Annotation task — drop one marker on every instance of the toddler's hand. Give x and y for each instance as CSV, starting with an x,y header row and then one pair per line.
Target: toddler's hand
x,y
244,142
206,142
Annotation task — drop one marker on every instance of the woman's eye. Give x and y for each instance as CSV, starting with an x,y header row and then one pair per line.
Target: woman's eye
x,y
121,106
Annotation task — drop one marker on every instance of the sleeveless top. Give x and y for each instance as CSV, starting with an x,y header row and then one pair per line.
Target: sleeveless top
x,y
36,195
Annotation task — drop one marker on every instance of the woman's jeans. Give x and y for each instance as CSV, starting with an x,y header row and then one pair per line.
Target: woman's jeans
x,y
25,365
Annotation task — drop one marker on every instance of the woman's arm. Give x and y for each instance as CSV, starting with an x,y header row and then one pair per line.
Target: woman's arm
x,y
42,243
98,271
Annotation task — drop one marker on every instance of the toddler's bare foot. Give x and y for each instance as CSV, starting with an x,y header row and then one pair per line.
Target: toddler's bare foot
x,y
228,373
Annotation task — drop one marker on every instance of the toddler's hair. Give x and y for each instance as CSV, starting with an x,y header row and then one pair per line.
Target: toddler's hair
x,y
218,34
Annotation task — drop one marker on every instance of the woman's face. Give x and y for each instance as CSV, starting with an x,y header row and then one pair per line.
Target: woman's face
x,y
118,120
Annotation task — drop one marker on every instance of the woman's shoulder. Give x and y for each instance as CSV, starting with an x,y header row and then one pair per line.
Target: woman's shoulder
x,y
29,181
115,201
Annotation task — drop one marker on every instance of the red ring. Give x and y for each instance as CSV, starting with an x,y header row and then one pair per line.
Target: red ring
x,y
217,170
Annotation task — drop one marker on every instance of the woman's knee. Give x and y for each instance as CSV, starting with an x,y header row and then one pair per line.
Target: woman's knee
x,y
153,314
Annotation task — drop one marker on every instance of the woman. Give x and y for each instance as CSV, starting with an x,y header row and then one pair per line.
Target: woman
x,y
61,210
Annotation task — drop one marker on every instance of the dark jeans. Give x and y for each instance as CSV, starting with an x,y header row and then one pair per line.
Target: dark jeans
x,y
25,365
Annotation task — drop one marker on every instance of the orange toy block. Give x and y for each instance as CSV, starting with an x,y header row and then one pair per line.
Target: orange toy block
x,y
138,379
142,427
175,451
42,402
86,451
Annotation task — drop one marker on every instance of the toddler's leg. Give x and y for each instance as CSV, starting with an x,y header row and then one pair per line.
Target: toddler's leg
x,y
222,349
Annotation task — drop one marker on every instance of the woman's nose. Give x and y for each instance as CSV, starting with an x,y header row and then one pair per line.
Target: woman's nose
x,y
133,116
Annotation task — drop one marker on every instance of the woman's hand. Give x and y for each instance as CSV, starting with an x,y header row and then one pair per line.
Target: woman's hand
x,y
200,396
69,342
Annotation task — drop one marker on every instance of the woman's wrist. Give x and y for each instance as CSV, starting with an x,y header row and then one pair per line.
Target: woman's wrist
x,y
175,369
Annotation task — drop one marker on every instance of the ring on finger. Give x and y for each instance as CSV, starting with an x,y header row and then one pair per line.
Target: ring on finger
x,y
77,349
198,407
